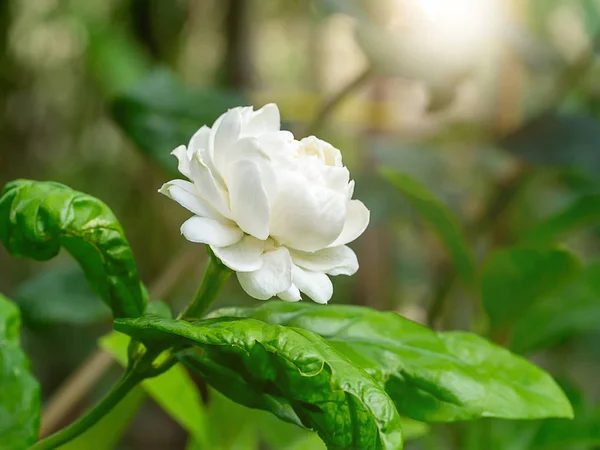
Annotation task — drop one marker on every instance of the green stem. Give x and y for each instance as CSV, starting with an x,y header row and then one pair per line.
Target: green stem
x,y
214,279
117,393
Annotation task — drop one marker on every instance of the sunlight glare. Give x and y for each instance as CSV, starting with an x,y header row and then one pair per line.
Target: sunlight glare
x,y
460,24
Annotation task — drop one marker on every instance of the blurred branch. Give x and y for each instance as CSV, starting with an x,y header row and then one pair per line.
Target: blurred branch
x,y
157,26
237,65
95,367
328,106
141,17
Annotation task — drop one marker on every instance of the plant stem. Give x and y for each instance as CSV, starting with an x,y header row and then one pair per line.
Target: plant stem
x,y
214,279
129,380
86,376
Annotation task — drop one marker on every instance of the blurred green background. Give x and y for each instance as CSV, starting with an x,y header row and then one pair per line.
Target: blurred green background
x,y
490,110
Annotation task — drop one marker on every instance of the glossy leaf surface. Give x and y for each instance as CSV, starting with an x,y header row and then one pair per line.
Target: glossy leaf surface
x,y
430,376
288,371
38,218
19,391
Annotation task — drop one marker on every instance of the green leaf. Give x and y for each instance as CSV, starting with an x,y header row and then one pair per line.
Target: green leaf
x,y
513,279
173,390
574,309
38,218
288,371
440,219
552,434
584,212
59,295
19,391
159,114
107,433
437,377
253,427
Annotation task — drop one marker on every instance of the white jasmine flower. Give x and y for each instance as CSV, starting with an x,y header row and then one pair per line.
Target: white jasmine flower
x,y
277,211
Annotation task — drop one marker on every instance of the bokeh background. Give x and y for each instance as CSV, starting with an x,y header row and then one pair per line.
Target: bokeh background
x,y
491,105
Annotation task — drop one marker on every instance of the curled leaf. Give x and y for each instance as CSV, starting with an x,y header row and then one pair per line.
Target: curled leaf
x,y
38,218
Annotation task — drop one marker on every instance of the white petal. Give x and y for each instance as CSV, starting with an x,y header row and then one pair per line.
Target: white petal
x,y
249,201
183,160
291,295
264,120
277,142
350,189
244,256
304,217
207,187
245,148
333,261
316,285
251,149
227,133
357,220
200,142
212,232
330,155
200,139
273,277
185,193
337,178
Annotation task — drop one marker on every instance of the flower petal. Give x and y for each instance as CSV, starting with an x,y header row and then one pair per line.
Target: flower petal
x,y
304,217
245,148
183,160
316,285
291,295
185,193
226,134
357,220
278,143
274,277
212,232
249,201
265,120
244,256
207,186
252,149
333,261
200,139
